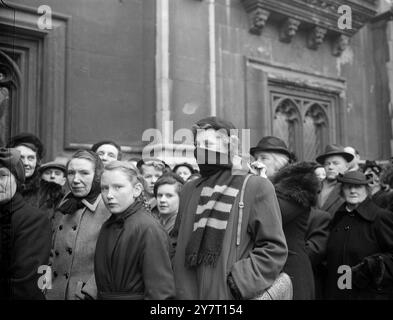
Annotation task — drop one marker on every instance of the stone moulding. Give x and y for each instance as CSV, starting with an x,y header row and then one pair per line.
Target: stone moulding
x,y
322,13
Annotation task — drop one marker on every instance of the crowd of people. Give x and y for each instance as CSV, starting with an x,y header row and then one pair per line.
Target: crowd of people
x,y
95,226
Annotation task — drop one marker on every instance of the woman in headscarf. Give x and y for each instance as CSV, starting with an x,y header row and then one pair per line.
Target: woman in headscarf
x,y
76,227
360,245
296,187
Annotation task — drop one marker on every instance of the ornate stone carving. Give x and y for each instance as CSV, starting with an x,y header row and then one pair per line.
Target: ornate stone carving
x,y
258,20
340,44
316,37
289,29
325,12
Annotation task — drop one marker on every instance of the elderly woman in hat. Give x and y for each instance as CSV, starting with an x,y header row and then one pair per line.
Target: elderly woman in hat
x,y
296,187
32,152
25,234
360,245
77,224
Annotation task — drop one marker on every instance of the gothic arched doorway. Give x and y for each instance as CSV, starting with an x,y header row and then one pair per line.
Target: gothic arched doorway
x,y
9,90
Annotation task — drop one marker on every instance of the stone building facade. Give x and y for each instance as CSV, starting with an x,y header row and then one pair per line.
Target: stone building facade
x,y
110,69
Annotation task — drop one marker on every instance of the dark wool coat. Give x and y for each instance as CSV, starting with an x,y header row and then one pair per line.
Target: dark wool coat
x,y
50,195
30,190
317,236
334,200
363,235
132,258
296,187
254,264
25,244
384,199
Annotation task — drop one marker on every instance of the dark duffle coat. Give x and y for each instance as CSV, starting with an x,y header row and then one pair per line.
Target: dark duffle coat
x,y
296,187
254,264
25,242
132,258
366,232
75,237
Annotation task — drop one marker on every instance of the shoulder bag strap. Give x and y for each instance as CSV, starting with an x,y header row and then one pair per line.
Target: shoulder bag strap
x,y
241,206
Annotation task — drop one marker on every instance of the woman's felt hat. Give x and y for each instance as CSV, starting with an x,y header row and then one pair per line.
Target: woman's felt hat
x,y
353,177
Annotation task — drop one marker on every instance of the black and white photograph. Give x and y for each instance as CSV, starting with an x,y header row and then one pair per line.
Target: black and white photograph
x,y
216,152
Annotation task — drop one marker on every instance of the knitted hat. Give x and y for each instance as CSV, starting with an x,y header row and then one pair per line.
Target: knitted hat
x,y
10,158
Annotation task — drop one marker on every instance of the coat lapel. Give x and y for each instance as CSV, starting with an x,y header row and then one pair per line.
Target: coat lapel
x,y
334,200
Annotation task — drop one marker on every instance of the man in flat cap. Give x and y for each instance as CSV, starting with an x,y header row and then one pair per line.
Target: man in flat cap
x,y
52,184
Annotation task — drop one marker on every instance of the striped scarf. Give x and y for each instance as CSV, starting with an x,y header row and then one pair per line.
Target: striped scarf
x,y
211,217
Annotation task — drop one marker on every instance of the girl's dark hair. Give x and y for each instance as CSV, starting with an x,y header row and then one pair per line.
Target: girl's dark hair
x,y
100,143
169,178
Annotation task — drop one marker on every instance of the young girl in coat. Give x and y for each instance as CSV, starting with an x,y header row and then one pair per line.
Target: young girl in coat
x,y
132,253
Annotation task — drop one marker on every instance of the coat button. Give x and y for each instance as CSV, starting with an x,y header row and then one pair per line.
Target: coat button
x,y
55,274
346,228
69,250
60,227
74,228
66,275
56,252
